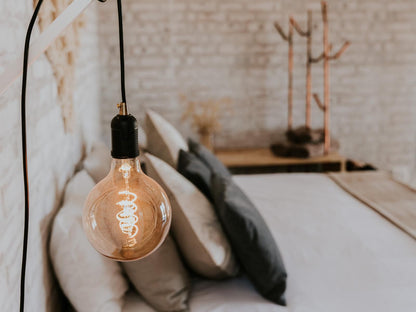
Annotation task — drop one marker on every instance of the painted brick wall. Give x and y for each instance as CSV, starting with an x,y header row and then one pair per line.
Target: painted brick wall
x,y
211,49
53,154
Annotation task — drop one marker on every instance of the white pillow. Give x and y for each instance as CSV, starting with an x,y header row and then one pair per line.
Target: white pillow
x,y
89,280
195,225
142,139
163,140
98,161
161,278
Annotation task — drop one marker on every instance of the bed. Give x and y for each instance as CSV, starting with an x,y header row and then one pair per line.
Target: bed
x,y
340,254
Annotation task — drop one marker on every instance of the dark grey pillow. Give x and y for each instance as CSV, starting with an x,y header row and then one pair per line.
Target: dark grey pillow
x,y
192,168
208,158
252,242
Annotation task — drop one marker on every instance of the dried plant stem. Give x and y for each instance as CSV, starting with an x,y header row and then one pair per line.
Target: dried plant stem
x,y
340,51
318,102
290,80
327,141
309,72
289,39
308,35
204,116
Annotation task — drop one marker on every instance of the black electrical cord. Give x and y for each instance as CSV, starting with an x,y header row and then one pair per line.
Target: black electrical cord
x,y
24,152
24,134
121,44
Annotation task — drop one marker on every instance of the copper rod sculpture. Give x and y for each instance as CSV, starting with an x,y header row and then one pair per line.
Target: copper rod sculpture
x,y
305,137
289,39
326,56
309,61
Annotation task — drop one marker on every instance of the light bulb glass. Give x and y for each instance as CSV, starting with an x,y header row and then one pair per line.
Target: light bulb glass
x,y
127,215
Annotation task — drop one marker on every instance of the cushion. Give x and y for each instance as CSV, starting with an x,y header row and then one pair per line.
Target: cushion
x,y
161,278
195,226
98,161
163,140
196,171
208,158
89,280
142,139
251,239
135,303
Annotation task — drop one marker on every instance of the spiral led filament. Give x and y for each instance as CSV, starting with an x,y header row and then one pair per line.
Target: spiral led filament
x,y
127,217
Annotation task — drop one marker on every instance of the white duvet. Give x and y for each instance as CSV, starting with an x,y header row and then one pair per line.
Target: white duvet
x,y
340,255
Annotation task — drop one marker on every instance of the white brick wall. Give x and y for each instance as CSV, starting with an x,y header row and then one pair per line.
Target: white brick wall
x,y
53,155
229,48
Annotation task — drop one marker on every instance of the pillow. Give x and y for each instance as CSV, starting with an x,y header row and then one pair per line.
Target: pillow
x,y
192,168
98,161
142,139
135,303
163,140
194,224
251,239
161,278
89,280
208,158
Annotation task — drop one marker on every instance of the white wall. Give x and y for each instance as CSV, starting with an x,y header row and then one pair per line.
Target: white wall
x,y
53,154
210,49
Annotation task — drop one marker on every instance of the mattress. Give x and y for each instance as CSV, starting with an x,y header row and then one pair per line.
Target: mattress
x,y
340,255
212,296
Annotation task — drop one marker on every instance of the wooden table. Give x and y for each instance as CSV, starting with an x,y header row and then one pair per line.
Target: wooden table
x,y
262,160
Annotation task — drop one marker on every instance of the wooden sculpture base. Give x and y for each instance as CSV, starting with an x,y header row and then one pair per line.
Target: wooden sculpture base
x,y
303,135
303,142
306,150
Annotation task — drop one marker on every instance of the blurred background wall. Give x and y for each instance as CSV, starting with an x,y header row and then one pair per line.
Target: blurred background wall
x,y
216,48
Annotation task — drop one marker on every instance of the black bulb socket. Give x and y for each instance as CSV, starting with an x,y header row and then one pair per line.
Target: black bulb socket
x,y
124,137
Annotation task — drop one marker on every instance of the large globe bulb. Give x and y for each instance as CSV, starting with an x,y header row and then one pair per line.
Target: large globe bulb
x,y
127,215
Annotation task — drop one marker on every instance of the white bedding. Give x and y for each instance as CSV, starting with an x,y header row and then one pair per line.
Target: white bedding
x,y
340,255
211,296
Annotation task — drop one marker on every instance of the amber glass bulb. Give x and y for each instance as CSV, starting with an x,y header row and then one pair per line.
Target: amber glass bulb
x,y
127,215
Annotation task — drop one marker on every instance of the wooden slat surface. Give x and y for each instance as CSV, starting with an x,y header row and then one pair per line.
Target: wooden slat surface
x,y
393,200
264,157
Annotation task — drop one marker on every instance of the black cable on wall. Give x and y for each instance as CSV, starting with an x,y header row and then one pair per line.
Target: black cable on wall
x,y
121,44
24,132
24,152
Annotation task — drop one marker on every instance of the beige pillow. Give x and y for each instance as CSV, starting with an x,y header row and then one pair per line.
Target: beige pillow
x,y
135,303
194,224
163,140
142,139
98,161
161,278
90,281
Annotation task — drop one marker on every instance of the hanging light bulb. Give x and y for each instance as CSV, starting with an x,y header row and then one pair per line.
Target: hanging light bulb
x,y
127,215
